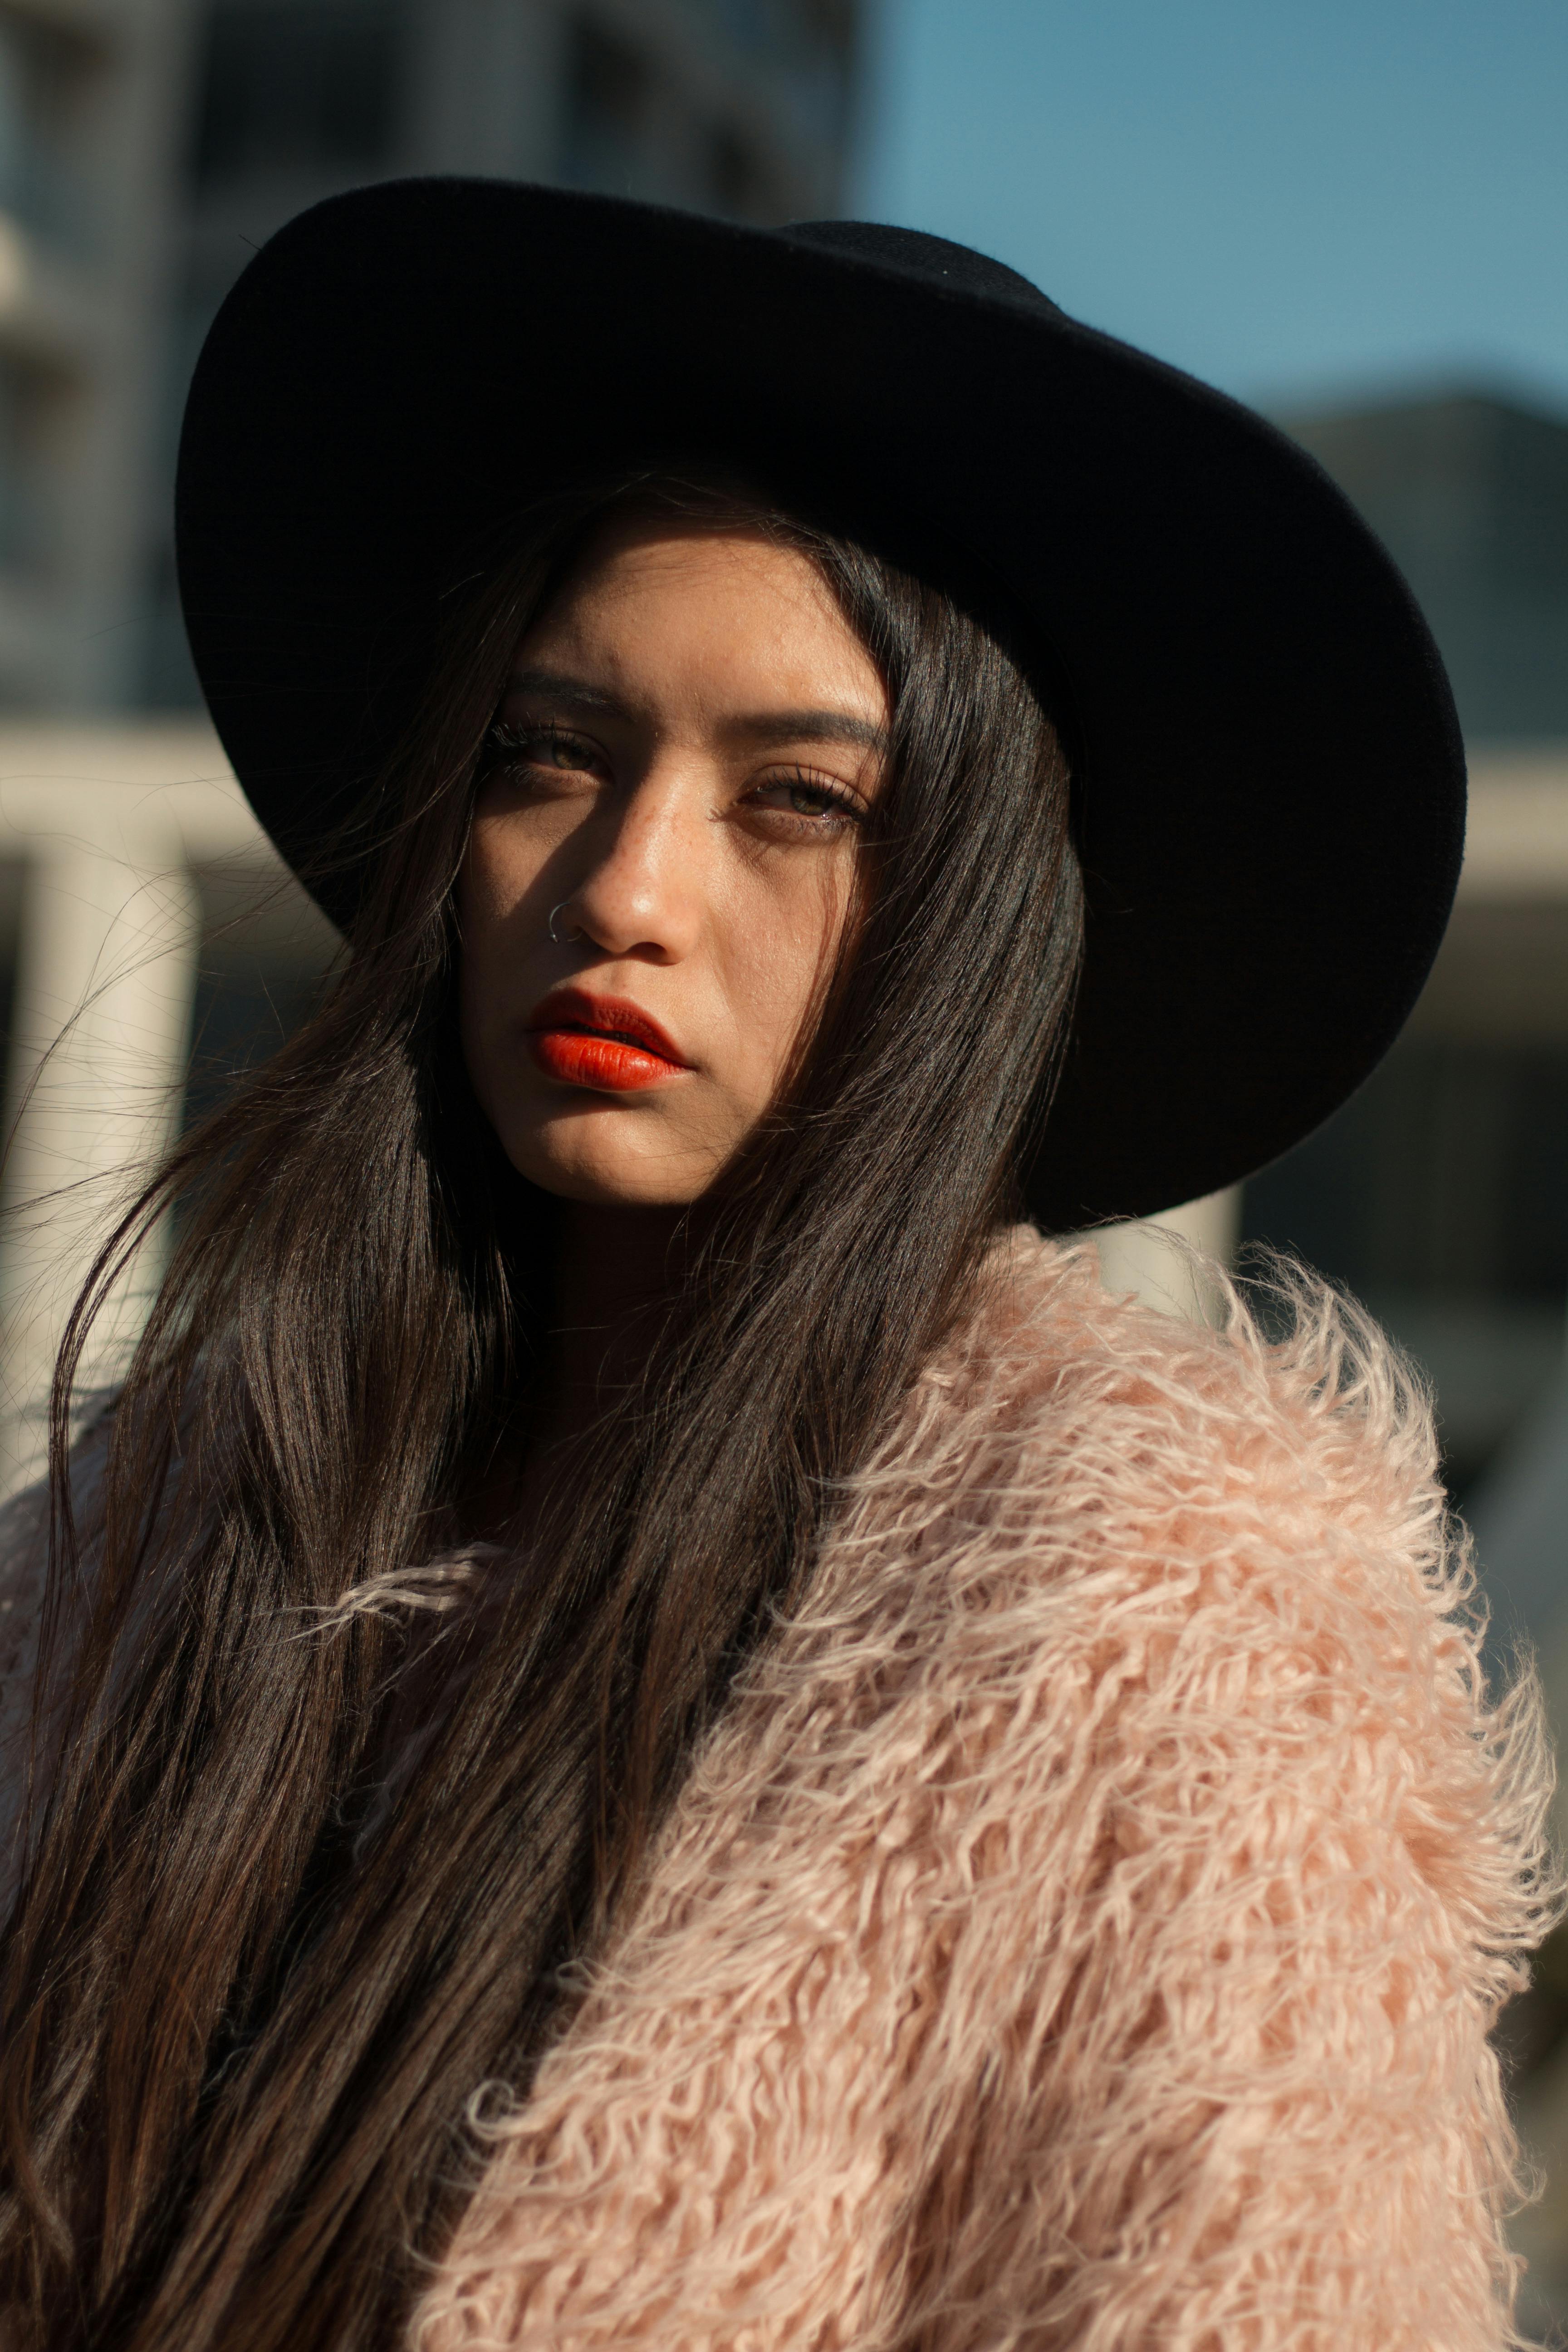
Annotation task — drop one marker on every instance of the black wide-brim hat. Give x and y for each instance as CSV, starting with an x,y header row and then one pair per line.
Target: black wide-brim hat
x,y
1269,777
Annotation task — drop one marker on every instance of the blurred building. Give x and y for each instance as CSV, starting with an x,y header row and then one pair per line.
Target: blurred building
x,y
1439,1194
148,146
1470,493
93,95
740,108
150,945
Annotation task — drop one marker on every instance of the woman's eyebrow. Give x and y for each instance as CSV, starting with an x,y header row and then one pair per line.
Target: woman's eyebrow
x,y
810,726
824,726
560,687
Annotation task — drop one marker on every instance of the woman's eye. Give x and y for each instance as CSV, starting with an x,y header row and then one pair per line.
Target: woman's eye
x,y
799,796
552,750
543,747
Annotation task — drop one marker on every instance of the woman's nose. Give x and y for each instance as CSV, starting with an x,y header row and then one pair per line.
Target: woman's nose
x,y
642,888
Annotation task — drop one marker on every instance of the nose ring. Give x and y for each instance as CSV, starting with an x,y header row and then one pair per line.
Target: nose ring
x,y
560,938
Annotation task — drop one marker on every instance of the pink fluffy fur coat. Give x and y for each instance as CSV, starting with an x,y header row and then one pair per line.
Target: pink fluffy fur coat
x,y
1083,1927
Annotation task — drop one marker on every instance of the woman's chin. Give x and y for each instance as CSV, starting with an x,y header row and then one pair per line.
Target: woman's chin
x,y
605,1173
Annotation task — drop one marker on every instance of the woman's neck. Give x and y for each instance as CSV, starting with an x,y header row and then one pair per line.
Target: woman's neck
x,y
616,1269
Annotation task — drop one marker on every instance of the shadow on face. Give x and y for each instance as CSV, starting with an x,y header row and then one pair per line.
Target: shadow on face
x,y
663,857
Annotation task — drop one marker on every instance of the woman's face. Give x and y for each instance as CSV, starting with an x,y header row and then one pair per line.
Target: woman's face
x,y
695,735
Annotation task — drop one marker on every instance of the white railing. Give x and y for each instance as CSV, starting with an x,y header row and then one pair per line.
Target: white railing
x,y
110,833
105,832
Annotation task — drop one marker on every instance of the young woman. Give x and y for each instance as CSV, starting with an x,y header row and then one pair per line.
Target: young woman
x,y
648,1721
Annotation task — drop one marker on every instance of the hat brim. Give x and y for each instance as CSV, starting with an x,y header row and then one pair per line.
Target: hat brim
x,y
1270,796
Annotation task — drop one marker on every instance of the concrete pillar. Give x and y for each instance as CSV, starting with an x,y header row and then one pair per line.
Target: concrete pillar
x,y
106,973
1140,1256
484,90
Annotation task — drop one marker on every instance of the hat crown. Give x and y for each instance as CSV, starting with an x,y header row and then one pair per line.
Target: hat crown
x,y
936,259
1268,783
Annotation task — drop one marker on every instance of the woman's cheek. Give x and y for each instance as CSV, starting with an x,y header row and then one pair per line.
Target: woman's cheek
x,y
777,983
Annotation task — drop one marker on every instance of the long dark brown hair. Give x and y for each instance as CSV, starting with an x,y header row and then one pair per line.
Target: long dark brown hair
x,y
239,2046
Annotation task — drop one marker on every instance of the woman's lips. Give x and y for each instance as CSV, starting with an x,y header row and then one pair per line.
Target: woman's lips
x,y
603,1042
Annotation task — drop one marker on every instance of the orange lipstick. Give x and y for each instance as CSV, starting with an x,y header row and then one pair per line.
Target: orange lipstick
x,y
606,1043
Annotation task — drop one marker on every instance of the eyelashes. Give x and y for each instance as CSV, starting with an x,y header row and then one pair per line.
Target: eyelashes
x,y
812,801
503,739
835,807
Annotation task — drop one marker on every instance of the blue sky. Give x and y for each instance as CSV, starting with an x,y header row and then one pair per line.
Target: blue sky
x,y
1298,199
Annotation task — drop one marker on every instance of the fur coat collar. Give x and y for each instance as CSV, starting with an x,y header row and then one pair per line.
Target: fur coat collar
x,y
1084,1925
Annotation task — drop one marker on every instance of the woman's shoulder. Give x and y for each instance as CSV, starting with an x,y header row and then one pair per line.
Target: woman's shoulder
x,y
1076,1460
1112,1550
1291,1404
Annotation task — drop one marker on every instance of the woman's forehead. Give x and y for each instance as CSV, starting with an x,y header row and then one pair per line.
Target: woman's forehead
x,y
650,548
651,590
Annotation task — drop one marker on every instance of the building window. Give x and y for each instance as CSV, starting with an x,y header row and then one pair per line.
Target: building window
x,y
299,85
739,183
609,101
754,135
1470,494
790,32
41,74
805,49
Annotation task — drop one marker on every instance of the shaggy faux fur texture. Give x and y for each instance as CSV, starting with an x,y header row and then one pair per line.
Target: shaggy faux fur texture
x,y
1083,1927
